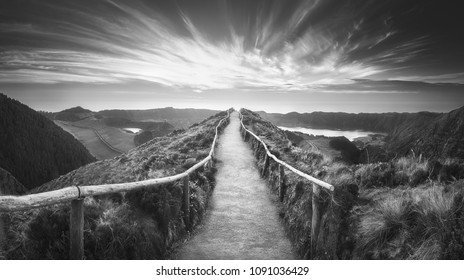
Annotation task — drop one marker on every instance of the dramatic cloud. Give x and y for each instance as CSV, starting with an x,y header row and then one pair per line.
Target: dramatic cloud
x,y
270,46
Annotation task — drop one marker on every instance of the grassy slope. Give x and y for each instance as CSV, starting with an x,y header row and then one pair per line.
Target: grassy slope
x,y
33,148
90,140
8,186
179,118
116,137
136,225
408,208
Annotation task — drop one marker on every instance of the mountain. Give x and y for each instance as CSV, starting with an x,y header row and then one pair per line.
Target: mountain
x,y
435,135
9,185
32,148
382,122
406,208
139,224
73,114
440,137
180,118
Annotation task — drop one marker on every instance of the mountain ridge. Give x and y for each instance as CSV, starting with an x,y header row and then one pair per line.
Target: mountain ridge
x,y
32,148
435,135
376,122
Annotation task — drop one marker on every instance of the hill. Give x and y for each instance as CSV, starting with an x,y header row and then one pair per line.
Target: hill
x,y
73,114
106,136
435,135
179,118
382,122
141,224
440,137
406,208
107,133
32,148
9,185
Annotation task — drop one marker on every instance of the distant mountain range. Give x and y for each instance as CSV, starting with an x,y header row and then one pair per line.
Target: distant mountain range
x,y
105,133
179,118
32,148
435,135
383,122
438,137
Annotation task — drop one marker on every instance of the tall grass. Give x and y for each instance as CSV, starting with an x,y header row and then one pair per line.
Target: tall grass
x,y
417,223
406,208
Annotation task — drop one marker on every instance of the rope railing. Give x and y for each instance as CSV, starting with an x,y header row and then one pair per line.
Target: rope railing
x,y
75,195
316,184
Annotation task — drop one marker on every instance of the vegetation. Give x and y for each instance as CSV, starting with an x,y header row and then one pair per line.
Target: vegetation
x,y
141,224
382,122
72,114
110,125
407,208
434,135
179,118
32,148
90,140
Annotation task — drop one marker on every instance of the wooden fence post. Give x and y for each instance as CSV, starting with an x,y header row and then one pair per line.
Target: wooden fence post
x,y
76,230
315,223
266,165
282,186
186,201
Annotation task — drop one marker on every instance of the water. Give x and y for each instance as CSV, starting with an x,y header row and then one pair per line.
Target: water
x,y
132,129
242,221
349,134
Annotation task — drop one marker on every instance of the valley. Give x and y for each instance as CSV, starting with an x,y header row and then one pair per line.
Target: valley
x,y
407,207
377,207
88,137
349,134
109,133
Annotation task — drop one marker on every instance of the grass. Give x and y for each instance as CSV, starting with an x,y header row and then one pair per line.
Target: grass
x,y
88,138
416,223
116,137
405,208
142,224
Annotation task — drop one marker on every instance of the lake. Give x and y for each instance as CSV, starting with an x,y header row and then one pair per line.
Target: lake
x,y
132,129
349,134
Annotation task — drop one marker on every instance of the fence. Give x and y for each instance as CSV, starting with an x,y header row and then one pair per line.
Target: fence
x,y
316,184
76,194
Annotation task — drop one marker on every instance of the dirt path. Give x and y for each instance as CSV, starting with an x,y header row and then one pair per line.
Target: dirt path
x,y
242,220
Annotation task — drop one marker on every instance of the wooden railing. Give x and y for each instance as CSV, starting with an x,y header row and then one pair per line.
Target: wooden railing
x,y
76,194
316,184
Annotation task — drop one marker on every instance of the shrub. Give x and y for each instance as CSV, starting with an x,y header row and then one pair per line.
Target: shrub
x,y
377,229
452,170
425,222
374,175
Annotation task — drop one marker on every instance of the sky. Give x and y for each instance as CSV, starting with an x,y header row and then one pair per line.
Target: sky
x,y
272,55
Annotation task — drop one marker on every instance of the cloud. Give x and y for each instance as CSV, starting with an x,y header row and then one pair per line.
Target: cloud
x,y
141,44
293,47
